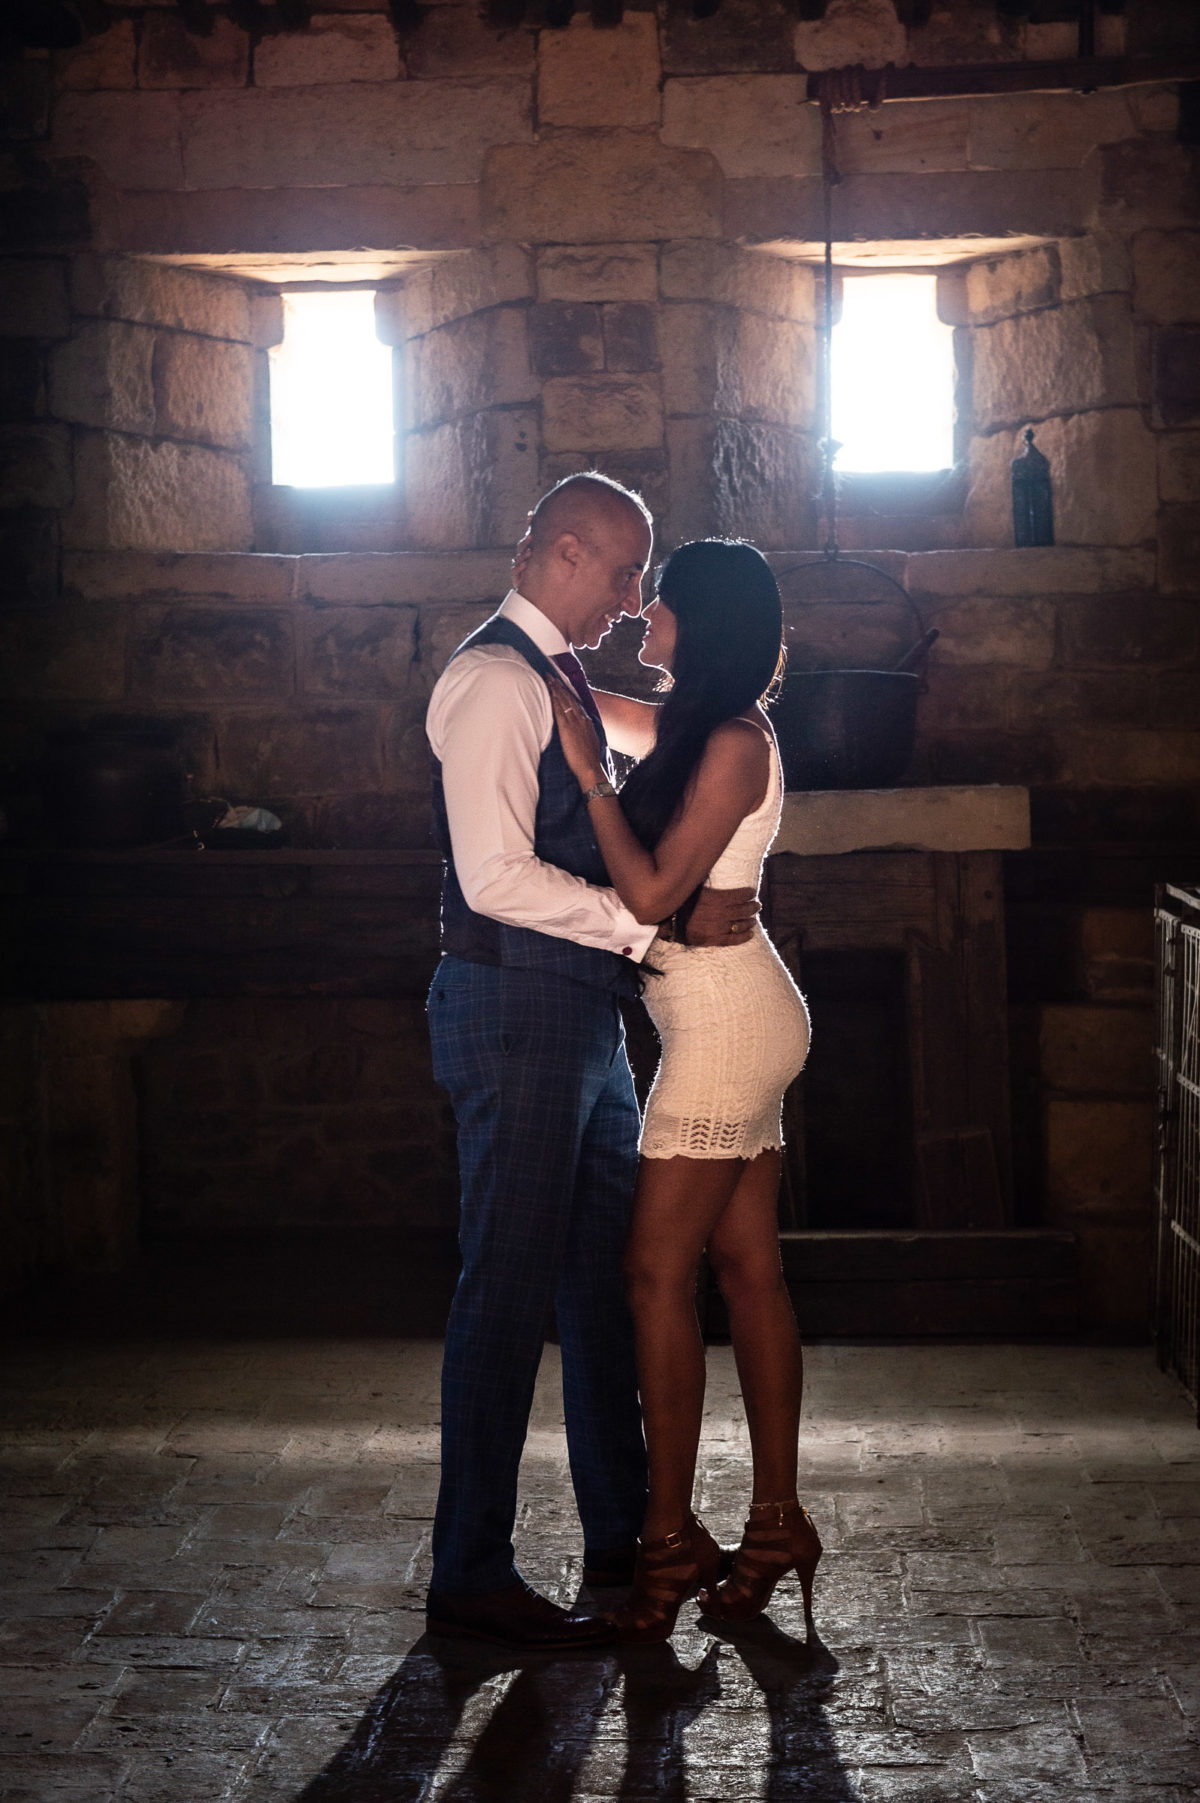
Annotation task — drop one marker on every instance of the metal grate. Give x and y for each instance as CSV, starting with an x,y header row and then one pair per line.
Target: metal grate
x,y
1177,1165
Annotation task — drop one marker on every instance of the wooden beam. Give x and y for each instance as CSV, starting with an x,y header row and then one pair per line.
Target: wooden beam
x,y
960,81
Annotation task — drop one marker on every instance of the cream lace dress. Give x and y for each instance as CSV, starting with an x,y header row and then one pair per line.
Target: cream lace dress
x,y
733,1025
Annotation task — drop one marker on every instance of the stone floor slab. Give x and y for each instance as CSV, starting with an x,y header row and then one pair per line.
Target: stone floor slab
x,y
213,1558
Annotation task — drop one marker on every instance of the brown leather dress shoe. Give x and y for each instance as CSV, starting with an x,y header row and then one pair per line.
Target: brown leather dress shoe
x,y
516,1616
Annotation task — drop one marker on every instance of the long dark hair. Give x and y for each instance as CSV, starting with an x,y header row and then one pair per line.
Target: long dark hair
x,y
728,633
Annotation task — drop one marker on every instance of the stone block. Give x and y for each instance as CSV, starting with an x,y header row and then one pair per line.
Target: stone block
x,y
754,280
1045,131
357,652
1058,361
106,60
62,653
106,575
333,47
133,139
611,186
445,630
630,336
22,385
699,359
1128,630
473,482
608,76
397,134
999,287
776,370
28,555
103,377
851,31
988,510
1098,1159
762,481
1179,466
1146,183
597,272
171,56
155,294
752,124
27,94
1097,264
1179,549
481,361
565,338
308,750
1090,507
132,494
190,653
1177,376
1040,570
1109,698
742,35
602,413
1134,759
1117,952
203,390
996,629
428,582
455,40
35,466
1166,275
454,286
305,222
33,299
1156,109
266,320
1097,1051
965,698
902,209
900,138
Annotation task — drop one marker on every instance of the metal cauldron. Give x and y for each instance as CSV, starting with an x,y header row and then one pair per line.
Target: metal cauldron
x,y
847,729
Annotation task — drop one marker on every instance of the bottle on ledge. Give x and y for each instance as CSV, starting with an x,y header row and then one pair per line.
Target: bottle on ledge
x,y
1033,507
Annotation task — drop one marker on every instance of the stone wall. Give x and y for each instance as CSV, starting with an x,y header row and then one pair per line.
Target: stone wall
x,y
129,389
597,247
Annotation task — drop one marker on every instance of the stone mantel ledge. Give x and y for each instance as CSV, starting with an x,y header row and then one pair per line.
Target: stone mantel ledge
x,y
956,818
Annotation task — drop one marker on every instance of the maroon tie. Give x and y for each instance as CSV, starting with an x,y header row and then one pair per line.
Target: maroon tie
x,y
572,669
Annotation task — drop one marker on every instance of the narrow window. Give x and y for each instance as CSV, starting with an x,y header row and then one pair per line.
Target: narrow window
x,y
892,376
331,381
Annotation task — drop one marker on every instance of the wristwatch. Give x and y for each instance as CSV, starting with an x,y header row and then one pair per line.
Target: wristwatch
x,y
597,790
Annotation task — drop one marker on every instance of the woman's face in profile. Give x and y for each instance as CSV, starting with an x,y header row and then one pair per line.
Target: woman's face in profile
x,y
658,645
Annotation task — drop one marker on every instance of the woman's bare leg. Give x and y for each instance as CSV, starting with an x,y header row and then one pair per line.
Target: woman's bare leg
x,y
743,1247
677,1203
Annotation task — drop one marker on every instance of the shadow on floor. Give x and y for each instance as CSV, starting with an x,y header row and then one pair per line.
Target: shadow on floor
x,y
470,1724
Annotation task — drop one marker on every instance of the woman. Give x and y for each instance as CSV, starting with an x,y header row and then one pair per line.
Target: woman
x,y
702,807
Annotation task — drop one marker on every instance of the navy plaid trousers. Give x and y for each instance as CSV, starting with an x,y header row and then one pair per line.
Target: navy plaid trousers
x,y
547,1148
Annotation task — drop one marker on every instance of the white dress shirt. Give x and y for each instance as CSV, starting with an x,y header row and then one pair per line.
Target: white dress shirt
x,y
489,722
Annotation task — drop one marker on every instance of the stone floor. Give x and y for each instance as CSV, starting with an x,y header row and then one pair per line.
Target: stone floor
x,y
214,1557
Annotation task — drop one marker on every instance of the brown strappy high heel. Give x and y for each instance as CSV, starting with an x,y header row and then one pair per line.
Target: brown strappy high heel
x,y
668,1572
779,1537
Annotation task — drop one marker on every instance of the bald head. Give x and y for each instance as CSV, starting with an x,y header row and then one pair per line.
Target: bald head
x,y
585,505
586,552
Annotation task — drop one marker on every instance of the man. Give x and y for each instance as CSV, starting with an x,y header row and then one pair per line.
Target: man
x,y
527,1039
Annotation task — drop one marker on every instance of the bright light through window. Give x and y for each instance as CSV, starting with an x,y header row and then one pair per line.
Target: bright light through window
x,y
893,376
331,394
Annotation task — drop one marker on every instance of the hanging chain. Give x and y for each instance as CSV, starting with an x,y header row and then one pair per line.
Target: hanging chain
x,y
828,447
841,91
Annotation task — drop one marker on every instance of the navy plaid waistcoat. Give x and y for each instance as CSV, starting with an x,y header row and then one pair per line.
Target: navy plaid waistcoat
x,y
562,835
